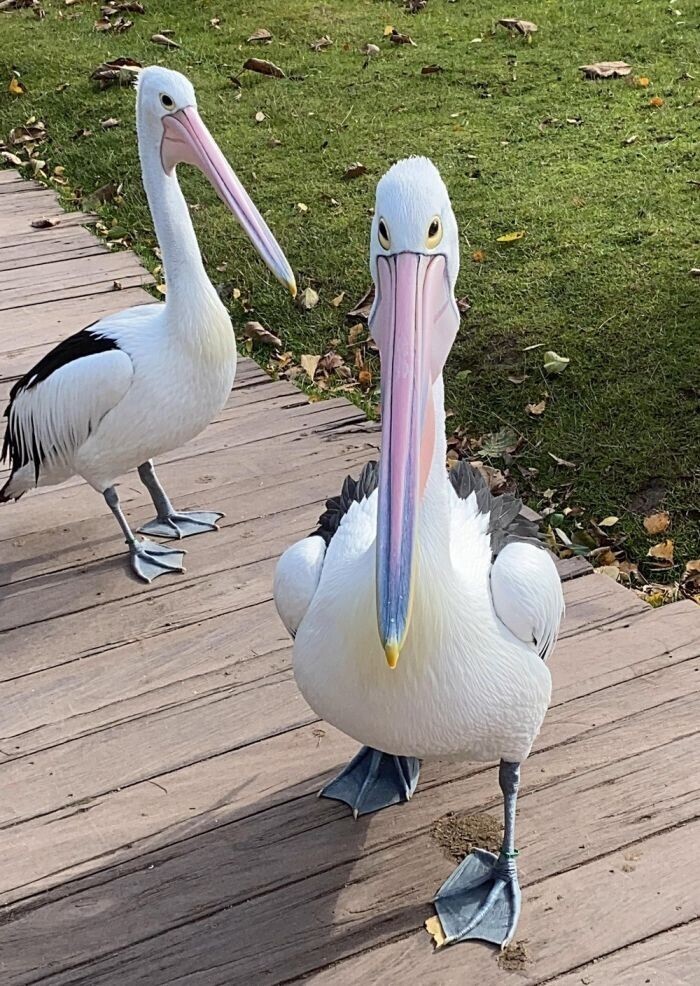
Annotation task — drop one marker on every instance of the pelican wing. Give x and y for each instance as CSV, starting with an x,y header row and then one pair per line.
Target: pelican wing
x,y
57,404
299,569
525,585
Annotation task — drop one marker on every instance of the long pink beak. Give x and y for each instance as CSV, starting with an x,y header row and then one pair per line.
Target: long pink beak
x,y
186,140
412,295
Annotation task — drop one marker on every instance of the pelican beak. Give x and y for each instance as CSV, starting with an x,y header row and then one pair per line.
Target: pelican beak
x,y
186,140
412,294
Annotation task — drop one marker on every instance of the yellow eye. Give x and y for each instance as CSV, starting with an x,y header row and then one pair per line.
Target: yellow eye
x,y
167,101
434,233
383,234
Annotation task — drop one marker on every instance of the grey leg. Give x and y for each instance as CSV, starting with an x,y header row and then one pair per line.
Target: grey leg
x,y
481,898
170,523
374,780
148,560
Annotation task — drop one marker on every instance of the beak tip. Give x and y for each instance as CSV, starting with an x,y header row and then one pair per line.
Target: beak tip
x,y
392,651
293,288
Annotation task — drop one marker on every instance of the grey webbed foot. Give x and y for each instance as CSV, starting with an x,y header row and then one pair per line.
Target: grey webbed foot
x,y
374,780
480,899
149,560
182,525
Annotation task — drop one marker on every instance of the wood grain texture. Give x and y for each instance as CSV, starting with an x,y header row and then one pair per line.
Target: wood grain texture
x,y
159,823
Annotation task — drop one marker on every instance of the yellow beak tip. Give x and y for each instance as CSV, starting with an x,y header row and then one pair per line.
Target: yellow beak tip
x,y
392,651
293,289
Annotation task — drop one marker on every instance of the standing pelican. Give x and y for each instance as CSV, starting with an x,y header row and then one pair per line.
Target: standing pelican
x,y
140,383
408,563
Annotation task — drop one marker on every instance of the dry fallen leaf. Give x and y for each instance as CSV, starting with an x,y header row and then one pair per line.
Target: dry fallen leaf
x,y
663,551
608,521
555,364
522,27
364,378
562,462
511,237
109,123
496,443
310,364
163,39
260,34
354,171
363,306
401,39
257,332
657,523
479,256
536,409
16,87
641,81
321,43
370,50
11,158
431,69
335,302
259,116
264,67
45,223
117,72
656,101
606,70
308,299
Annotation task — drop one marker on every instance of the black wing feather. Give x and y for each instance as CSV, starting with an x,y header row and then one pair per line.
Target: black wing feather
x,y
353,491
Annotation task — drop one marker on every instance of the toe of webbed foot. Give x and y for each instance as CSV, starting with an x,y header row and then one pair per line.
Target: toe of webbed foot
x,y
149,560
183,525
480,899
374,780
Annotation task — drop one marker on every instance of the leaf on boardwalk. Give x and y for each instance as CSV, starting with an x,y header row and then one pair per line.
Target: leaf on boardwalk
x,y
606,70
258,333
434,929
45,223
264,67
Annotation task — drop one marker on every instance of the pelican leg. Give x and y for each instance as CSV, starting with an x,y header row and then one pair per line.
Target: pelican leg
x,y
374,780
169,522
481,898
148,560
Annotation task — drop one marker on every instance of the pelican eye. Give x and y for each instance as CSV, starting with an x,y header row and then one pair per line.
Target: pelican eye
x,y
167,101
383,234
434,233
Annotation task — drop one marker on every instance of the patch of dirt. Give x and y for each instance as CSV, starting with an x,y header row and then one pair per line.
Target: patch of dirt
x,y
514,957
457,834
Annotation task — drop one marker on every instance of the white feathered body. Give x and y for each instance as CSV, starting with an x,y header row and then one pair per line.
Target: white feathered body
x,y
471,681
101,415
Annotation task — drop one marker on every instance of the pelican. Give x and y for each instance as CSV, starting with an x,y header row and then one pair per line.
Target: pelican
x,y
144,381
424,608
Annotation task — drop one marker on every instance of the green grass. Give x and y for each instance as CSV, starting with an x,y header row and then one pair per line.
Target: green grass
x,y
612,227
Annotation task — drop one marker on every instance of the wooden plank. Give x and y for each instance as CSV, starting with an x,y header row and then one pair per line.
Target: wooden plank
x,y
29,283
257,878
20,224
48,249
9,178
651,690
88,282
23,201
666,959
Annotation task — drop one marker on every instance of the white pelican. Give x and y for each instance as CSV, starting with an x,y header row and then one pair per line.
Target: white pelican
x,y
408,562
134,385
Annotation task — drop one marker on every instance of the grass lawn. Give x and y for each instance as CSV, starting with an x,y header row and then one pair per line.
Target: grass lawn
x,y
604,183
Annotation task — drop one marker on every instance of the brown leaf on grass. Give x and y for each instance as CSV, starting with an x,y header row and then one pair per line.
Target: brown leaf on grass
x,y
33,132
501,442
564,463
16,87
260,34
111,192
370,50
494,477
431,70
536,409
12,158
354,171
363,306
7,5
215,22
355,332
45,223
321,43
364,378
164,40
263,67
397,38
514,24
463,304
606,70
663,552
117,72
258,333
110,123
337,301
656,101
259,117
79,134
415,6
479,256
657,523
309,364
331,363
308,299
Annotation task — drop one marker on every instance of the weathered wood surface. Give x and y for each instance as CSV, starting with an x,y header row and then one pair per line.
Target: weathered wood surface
x,y
159,822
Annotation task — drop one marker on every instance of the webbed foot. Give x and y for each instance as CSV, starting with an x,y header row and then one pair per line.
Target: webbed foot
x,y
374,780
149,560
480,899
182,525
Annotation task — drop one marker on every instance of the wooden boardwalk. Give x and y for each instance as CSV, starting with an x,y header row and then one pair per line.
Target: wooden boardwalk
x,y
158,768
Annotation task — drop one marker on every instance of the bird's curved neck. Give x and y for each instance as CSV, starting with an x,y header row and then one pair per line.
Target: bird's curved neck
x,y
185,278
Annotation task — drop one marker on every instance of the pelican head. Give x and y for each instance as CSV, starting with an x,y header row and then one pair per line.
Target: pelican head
x,y
167,112
414,260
